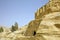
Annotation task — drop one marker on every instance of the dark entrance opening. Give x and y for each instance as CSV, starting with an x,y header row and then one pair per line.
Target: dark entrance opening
x,y
34,33
57,25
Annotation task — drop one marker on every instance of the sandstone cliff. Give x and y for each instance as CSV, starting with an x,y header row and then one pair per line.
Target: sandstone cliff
x,y
45,26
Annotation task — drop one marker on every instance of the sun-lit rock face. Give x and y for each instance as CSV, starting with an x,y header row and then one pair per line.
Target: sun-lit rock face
x,y
50,22
45,26
50,7
49,25
32,27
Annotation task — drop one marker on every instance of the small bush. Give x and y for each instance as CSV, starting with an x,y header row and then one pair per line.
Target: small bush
x,y
15,27
1,29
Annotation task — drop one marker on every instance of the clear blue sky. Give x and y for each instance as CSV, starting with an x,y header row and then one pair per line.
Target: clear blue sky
x,y
20,11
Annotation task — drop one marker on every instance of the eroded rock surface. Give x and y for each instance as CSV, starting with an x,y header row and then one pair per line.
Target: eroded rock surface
x,y
45,26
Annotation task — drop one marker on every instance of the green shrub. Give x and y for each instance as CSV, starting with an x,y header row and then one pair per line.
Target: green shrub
x,y
1,29
15,27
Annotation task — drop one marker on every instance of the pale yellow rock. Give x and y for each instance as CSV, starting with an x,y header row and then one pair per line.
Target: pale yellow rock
x,y
33,26
48,28
45,26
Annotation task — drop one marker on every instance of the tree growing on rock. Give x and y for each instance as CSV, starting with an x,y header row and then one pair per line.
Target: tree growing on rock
x,y
14,27
1,29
